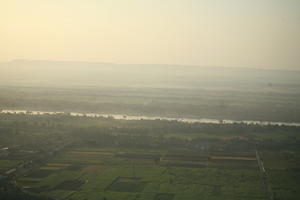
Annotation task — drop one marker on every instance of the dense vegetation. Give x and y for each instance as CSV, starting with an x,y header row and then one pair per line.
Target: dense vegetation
x,y
63,156
268,105
32,130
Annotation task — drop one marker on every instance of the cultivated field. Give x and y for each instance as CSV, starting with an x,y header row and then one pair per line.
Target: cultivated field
x,y
127,174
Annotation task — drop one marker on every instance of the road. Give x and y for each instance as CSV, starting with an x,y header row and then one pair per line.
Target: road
x,y
262,170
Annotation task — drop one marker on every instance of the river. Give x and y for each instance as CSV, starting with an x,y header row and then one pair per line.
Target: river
x,y
134,117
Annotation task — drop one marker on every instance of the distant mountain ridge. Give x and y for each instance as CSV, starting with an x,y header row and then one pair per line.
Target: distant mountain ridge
x,y
80,73
24,61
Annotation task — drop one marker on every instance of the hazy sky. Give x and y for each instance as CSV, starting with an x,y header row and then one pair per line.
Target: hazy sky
x,y
246,33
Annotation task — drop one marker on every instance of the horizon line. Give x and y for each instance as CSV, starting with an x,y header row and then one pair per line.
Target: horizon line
x,y
168,64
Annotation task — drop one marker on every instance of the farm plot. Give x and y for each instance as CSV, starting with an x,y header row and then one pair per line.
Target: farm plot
x,y
69,185
66,180
283,174
58,165
186,157
37,189
74,167
138,156
126,176
93,168
84,157
233,161
127,184
40,173
184,164
28,181
284,183
233,158
164,196
5,164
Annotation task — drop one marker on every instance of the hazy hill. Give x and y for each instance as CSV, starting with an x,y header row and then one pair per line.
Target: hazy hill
x,y
68,74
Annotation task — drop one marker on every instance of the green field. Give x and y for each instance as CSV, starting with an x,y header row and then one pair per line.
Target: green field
x,y
103,173
77,158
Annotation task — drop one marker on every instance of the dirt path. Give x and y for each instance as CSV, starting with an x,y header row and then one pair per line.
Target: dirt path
x,y
262,170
